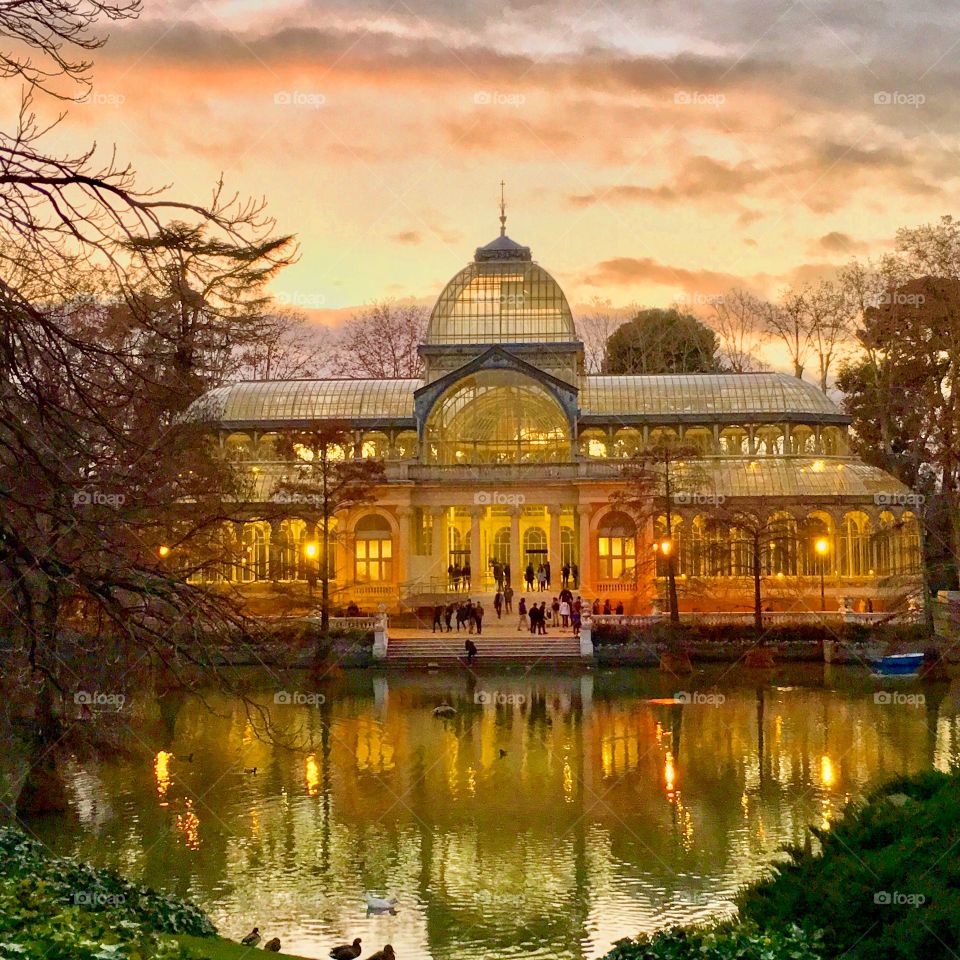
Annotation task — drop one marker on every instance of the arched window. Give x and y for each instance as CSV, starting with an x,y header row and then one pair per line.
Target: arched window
x,y
627,443
700,439
497,416
617,547
373,549
375,445
405,445
780,555
534,547
816,529
831,441
803,440
568,549
501,546
910,539
593,443
289,550
853,545
885,544
253,556
768,441
734,442
239,446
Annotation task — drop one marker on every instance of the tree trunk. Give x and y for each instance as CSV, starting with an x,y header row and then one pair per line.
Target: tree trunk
x,y
757,599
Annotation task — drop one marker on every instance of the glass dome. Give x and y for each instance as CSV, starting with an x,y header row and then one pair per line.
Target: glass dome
x,y
501,297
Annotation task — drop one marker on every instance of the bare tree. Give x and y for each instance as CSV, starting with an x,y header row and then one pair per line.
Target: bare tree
x,y
286,348
741,322
380,342
595,326
829,324
786,321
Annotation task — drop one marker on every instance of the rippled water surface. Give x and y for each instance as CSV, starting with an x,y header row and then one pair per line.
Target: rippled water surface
x,y
607,813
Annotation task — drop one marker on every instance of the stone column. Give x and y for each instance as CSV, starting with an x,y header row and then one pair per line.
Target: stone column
x,y
516,559
555,555
584,561
402,558
438,547
476,571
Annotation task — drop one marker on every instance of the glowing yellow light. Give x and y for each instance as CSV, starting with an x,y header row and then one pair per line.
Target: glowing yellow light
x,y
780,574
817,466
666,547
189,825
826,771
313,775
311,550
822,546
254,469
163,550
669,773
161,770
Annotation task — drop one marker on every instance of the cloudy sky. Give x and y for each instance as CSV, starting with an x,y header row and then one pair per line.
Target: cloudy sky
x,y
650,149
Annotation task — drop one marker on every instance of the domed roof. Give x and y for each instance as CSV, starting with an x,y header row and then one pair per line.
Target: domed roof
x,y
501,297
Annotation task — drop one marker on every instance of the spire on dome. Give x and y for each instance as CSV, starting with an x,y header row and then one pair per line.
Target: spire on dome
x,y
503,212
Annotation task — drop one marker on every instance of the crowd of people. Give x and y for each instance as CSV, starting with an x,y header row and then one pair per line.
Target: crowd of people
x,y
539,578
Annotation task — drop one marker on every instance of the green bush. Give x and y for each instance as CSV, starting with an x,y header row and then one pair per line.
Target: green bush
x,y
885,884
724,942
59,907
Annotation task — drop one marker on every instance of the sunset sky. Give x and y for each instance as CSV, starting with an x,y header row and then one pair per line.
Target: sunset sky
x,y
650,150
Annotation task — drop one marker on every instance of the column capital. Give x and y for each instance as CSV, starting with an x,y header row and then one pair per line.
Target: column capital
x,y
437,512
585,509
477,512
516,512
554,510
404,512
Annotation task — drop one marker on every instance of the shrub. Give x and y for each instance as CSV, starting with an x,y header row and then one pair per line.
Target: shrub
x,y
724,942
885,883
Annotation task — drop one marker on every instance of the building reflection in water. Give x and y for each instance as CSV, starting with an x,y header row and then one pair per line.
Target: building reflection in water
x,y
547,817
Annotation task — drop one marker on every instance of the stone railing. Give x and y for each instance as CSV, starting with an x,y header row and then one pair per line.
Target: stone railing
x,y
771,618
352,623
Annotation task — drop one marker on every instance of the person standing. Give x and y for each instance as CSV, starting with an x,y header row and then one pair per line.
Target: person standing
x,y
564,613
528,576
542,618
619,610
471,649
478,616
448,616
506,574
565,575
466,576
522,608
534,618
508,598
438,617
498,603
498,575
546,573
555,610
575,573
541,578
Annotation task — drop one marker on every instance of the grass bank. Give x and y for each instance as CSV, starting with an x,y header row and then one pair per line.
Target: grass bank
x,y
59,908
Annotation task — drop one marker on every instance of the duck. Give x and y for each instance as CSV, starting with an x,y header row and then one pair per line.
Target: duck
x,y
385,954
379,903
444,710
273,945
251,770
503,753
252,938
347,951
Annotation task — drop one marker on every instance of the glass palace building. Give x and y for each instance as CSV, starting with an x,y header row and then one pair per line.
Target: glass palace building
x,y
507,452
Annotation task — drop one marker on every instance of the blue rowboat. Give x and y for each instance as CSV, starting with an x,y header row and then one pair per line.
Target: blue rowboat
x,y
898,665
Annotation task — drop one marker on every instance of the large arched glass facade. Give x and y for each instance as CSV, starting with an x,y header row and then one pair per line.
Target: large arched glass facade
x,y
497,416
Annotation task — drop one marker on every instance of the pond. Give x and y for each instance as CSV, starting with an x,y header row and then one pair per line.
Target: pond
x,y
549,816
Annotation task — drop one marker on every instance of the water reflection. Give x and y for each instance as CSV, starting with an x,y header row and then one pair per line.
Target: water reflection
x,y
547,817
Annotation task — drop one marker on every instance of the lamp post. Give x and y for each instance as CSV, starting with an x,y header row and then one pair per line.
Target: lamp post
x,y
822,546
311,551
664,548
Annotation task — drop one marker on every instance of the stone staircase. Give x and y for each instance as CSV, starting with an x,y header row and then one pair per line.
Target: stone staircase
x,y
427,649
